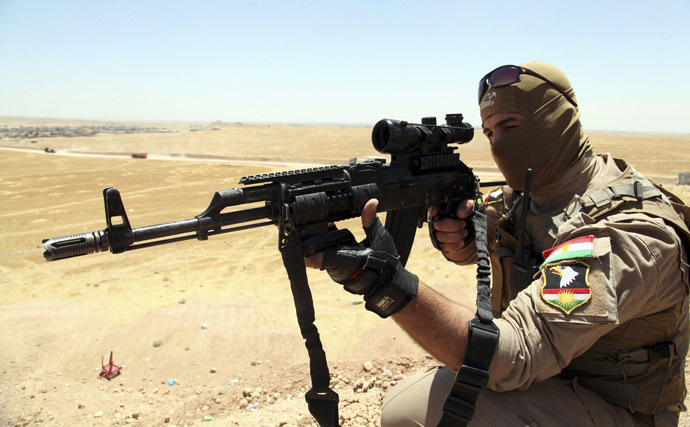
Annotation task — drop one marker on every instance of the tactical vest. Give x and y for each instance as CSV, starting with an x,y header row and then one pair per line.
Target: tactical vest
x,y
541,234
631,366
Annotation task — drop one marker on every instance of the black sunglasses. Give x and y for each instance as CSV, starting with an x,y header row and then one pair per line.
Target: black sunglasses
x,y
507,75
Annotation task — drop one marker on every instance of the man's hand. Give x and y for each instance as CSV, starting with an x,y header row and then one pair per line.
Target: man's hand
x,y
368,219
451,235
371,268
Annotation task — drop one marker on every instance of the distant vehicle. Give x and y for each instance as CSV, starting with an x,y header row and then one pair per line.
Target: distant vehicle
x,y
140,155
49,150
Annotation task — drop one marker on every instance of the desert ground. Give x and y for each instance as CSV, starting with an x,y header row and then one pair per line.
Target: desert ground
x,y
215,318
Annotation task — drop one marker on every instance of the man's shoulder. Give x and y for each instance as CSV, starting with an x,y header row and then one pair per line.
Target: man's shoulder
x,y
499,198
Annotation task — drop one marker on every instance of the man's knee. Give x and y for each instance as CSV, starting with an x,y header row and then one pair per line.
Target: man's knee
x,y
418,400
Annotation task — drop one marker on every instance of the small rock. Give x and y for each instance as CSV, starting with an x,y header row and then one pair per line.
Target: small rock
x,y
214,370
136,415
204,326
98,414
368,366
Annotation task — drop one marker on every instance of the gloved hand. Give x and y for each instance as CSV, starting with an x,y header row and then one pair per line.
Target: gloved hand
x,y
372,268
451,234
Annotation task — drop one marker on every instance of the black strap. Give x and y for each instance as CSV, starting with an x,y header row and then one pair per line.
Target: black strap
x,y
484,311
322,401
474,373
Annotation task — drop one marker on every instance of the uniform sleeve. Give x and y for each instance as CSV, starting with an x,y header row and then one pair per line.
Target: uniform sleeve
x,y
633,270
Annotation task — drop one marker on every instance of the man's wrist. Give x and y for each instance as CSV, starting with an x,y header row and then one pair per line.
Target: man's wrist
x,y
391,296
465,255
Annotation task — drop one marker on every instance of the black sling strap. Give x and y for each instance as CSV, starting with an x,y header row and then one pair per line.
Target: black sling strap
x,y
322,401
474,373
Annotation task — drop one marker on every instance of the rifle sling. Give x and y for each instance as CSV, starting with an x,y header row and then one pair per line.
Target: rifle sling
x,y
322,401
474,373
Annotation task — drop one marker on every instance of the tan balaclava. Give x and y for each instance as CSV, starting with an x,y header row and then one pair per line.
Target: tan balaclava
x,y
550,140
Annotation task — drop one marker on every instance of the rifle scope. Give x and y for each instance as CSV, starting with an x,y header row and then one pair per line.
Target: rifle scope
x,y
395,136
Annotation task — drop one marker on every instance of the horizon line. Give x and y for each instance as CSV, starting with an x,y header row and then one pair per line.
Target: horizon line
x,y
280,123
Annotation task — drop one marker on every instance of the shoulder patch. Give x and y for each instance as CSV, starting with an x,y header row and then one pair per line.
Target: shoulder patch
x,y
494,196
566,286
581,247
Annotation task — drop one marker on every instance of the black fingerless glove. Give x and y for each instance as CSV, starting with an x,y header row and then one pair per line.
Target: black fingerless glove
x,y
372,268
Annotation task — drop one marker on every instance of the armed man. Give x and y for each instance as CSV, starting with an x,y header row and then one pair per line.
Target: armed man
x,y
589,284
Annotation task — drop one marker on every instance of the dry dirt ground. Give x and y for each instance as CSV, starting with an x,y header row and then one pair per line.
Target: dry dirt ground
x,y
214,316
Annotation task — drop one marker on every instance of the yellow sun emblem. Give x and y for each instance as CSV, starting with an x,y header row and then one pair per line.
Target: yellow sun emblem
x,y
566,299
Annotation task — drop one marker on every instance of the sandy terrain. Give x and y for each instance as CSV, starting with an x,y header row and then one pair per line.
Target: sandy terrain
x,y
247,365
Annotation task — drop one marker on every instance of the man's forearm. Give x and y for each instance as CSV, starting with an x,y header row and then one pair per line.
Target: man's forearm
x,y
438,325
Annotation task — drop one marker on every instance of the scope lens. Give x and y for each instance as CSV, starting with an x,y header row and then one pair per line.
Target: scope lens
x,y
382,135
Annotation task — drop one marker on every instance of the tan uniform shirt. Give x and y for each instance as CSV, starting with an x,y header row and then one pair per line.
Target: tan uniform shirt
x,y
635,270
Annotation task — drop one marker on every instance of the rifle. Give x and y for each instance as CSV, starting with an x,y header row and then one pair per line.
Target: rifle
x,y
424,170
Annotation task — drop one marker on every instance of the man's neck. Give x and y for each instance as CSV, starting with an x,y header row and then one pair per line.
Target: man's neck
x,y
574,180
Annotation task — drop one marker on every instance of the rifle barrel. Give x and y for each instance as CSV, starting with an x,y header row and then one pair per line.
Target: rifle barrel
x,y
98,241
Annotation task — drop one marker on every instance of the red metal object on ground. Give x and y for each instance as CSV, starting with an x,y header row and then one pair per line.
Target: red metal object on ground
x,y
110,370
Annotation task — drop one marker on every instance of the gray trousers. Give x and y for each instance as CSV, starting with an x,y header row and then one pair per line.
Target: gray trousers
x,y
418,401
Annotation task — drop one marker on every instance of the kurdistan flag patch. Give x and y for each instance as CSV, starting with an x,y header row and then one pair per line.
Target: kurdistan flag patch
x,y
582,247
496,195
566,286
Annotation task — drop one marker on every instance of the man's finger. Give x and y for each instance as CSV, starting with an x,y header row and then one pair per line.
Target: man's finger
x,y
433,211
450,225
465,208
369,213
314,261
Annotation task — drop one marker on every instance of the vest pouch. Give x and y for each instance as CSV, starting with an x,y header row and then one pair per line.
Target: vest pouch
x,y
501,265
620,383
522,274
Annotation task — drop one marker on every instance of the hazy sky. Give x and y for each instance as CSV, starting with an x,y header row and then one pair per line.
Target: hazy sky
x,y
337,61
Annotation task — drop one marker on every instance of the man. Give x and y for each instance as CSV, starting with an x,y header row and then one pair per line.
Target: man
x,y
591,307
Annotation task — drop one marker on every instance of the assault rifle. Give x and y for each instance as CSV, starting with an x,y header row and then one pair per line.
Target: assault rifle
x,y
424,170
